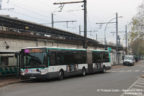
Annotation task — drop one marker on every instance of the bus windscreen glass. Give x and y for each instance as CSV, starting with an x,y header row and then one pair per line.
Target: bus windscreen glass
x,y
34,58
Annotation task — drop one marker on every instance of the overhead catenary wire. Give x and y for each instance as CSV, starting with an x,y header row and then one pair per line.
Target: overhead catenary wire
x,y
32,11
26,15
40,18
25,8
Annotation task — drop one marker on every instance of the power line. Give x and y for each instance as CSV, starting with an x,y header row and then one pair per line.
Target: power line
x,y
30,10
1,8
85,17
29,16
67,22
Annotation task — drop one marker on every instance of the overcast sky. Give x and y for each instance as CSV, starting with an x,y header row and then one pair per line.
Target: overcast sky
x,y
98,11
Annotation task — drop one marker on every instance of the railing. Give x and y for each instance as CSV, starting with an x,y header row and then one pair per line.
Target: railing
x,y
8,70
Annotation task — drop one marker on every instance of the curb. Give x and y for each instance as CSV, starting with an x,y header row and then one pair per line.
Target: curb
x,y
9,83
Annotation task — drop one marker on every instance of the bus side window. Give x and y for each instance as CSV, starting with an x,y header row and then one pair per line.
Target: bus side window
x,y
99,57
68,58
60,58
45,61
106,57
52,58
94,58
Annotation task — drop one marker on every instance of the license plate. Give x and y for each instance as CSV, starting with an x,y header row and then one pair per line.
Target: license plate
x,y
32,77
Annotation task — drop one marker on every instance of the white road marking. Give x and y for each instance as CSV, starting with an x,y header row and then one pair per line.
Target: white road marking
x,y
138,86
142,83
136,89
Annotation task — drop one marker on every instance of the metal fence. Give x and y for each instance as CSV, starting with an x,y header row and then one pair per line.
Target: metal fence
x,y
8,70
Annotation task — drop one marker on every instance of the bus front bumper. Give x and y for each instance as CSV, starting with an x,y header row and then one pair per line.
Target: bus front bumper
x,y
33,76
39,76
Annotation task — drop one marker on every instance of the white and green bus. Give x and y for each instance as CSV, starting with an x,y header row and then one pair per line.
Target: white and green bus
x,y
61,62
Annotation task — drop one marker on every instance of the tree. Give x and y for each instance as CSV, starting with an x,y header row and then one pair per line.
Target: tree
x,y
136,36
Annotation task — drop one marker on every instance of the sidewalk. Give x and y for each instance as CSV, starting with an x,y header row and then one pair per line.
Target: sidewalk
x,y
118,66
8,80
122,66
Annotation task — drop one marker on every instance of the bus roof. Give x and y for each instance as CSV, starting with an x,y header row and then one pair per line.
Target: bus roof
x,y
62,48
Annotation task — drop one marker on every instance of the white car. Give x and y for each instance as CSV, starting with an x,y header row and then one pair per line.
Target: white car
x,y
129,60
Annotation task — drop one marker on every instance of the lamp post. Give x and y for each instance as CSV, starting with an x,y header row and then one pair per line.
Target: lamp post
x,y
126,38
117,39
117,56
52,20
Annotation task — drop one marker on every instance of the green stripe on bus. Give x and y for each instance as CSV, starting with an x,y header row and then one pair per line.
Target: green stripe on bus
x,y
33,68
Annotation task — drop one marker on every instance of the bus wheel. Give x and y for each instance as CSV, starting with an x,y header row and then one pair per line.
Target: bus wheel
x,y
61,75
83,72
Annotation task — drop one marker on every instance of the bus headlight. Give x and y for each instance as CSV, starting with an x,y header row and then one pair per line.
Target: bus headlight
x,y
43,71
22,73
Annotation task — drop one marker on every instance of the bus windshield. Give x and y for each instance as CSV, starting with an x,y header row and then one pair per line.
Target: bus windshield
x,y
34,60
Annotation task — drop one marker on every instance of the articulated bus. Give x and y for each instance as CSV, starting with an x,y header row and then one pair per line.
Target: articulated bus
x,y
61,62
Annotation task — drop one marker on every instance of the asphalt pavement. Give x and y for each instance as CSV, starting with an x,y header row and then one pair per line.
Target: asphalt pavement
x,y
124,81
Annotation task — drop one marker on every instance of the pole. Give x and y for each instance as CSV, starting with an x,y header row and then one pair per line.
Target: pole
x,y
117,56
96,36
67,24
105,40
79,29
126,38
52,20
0,4
85,24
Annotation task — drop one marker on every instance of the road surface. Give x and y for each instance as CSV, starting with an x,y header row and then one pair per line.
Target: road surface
x,y
116,82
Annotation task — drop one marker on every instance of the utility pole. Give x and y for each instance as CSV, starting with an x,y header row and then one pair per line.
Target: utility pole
x,y
96,36
9,9
126,38
85,24
79,29
0,4
117,56
85,18
52,20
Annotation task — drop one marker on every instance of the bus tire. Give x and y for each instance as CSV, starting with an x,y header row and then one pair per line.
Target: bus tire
x,y
83,72
61,75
